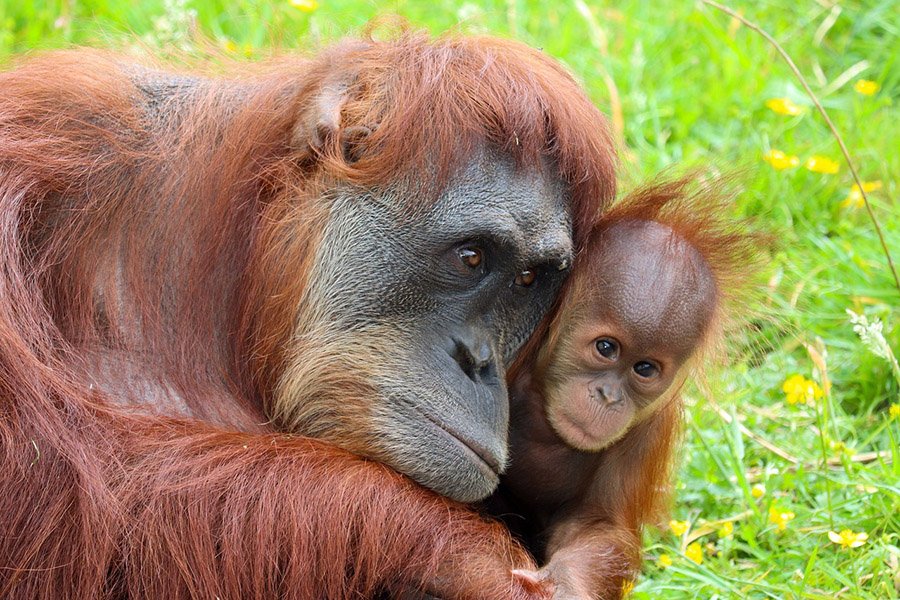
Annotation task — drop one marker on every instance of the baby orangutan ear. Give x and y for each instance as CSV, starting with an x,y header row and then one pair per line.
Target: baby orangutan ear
x,y
319,130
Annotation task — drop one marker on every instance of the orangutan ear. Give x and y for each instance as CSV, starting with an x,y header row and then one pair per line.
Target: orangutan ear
x,y
323,120
321,125
353,142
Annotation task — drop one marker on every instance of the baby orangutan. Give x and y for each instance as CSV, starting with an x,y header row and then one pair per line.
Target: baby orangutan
x,y
595,403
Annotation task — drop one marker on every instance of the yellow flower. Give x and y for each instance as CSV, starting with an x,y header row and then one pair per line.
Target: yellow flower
x,y
726,529
822,164
627,586
839,448
798,390
866,87
894,411
758,491
779,160
780,517
855,198
784,106
229,45
694,552
848,539
793,387
305,5
664,560
679,527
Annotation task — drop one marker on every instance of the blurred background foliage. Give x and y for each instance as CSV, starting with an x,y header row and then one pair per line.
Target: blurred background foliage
x,y
788,484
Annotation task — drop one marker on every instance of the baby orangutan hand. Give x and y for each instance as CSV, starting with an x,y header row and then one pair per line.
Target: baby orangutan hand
x,y
562,581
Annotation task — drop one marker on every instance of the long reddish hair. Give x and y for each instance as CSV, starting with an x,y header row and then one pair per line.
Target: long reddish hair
x,y
159,230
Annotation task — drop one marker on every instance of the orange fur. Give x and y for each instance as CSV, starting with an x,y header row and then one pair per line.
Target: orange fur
x,y
155,247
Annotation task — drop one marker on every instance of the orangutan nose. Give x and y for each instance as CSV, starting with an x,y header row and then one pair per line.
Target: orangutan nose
x,y
607,394
476,359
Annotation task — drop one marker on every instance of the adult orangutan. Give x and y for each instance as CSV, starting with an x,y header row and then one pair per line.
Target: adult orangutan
x,y
197,269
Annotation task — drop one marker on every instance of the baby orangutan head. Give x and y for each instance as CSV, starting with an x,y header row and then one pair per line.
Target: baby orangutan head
x,y
638,308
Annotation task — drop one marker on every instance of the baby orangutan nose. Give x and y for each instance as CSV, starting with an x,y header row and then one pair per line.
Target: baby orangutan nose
x,y
607,393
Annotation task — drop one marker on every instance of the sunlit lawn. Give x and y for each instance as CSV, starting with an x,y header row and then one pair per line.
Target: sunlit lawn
x,y
788,483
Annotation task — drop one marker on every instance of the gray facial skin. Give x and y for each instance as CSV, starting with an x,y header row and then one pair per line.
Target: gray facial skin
x,y
434,332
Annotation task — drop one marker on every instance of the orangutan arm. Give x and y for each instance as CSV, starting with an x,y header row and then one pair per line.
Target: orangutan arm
x,y
594,559
181,510
594,545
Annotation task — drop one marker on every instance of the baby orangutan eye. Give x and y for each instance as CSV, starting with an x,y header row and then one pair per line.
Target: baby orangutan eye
x,y
608,348
646,369
526,277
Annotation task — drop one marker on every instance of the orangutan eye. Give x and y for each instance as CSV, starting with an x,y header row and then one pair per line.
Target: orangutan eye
x,y
471,256
526,278
608,348
646,369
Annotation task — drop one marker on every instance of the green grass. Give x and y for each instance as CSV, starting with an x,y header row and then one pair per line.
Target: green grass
x,y
693,89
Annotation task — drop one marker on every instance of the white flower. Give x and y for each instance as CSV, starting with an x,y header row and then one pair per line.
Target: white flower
x,y
871,334
872,337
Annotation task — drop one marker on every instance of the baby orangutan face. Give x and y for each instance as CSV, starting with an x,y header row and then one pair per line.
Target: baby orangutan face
x,y
632,321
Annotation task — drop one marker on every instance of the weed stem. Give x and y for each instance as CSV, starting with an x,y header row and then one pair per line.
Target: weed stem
x,y
821,109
